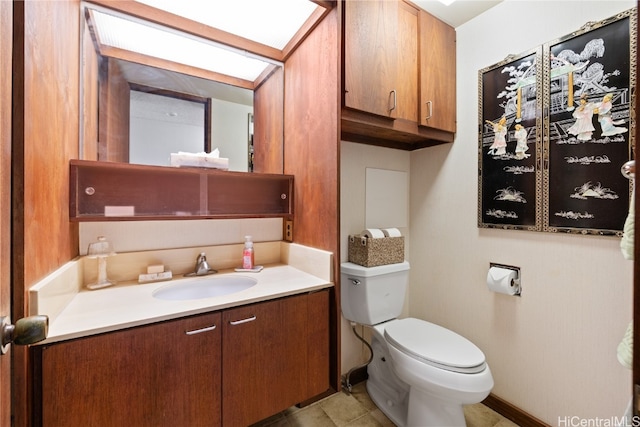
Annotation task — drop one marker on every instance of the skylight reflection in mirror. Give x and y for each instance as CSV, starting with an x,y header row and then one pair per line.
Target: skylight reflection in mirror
x,y
267,22
134,36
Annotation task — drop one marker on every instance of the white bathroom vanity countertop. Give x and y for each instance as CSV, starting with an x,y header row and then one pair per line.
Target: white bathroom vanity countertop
x,y
132,304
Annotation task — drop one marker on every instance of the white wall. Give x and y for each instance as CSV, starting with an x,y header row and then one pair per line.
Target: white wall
x,y
152,141
150,126
354,160
136,236
230,132
553,350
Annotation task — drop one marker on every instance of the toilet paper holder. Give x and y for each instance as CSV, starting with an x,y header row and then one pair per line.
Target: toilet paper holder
x,y
515,282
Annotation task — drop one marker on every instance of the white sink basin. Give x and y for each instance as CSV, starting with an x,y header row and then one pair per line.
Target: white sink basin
x,y
204,287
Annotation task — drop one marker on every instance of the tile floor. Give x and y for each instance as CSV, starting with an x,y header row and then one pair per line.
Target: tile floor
x,y
357,410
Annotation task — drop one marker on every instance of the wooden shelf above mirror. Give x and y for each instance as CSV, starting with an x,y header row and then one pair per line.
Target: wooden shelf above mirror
x,y
109,191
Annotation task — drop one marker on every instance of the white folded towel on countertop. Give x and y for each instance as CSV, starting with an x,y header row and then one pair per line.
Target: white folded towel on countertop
x,y
200,160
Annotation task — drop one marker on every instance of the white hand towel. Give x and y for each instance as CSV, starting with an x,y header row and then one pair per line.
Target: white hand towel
x,y
627,242
625,348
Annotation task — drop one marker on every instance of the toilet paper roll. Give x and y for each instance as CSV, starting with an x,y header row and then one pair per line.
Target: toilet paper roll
x,y
503,281
372,233
391,232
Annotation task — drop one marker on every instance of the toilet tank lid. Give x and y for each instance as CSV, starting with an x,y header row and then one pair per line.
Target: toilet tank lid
x,y
359,270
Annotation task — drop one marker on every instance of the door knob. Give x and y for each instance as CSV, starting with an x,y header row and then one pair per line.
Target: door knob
x,y
28,330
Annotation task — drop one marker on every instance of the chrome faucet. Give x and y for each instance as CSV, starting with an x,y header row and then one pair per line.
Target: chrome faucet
x,y
202,267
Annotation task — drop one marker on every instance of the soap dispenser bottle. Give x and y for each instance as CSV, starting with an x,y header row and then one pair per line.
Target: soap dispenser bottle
x,y
247,254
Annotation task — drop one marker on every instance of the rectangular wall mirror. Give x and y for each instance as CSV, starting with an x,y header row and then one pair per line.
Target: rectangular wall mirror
x,y
139,108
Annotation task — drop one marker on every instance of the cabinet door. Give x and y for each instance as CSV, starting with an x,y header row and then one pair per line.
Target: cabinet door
x,y
437,73
407,81
370,56
264,358
166,374
317,378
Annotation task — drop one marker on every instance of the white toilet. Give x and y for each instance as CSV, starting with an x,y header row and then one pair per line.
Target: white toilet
x,y
421,374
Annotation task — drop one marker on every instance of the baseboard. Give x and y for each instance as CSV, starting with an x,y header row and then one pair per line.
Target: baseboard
x,y
512,413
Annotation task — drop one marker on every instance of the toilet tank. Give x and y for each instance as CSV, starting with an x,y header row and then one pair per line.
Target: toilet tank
x,y
371,295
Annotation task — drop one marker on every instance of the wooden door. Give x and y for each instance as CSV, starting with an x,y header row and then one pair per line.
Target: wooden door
x,y
6,37
437,73
166,374
370,56
264,357
636,267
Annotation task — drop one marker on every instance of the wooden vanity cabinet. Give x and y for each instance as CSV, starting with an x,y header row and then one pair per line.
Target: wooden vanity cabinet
x,y
165,374
274,355
227,368
399,75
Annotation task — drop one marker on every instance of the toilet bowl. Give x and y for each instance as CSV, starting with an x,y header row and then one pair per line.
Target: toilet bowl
x,y
421,374
442,369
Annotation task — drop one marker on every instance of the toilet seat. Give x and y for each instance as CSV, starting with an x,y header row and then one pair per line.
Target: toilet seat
x,y
434,345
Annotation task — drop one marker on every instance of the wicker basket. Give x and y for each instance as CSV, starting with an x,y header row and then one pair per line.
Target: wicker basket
x,y
374,252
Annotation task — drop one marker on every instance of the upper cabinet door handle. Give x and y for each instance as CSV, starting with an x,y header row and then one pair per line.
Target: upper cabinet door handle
x,y
199,331
395,100
239,322
429,109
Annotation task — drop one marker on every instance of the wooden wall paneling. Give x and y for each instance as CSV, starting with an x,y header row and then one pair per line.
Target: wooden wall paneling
x,y
311,151
268,112
6,29
46,55
113,113
89,87
311,139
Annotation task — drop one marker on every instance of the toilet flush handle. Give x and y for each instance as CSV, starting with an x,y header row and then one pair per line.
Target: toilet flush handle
x,y
355,281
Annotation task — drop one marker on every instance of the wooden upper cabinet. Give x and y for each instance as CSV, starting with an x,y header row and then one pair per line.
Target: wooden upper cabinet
x,y
437,73
371,62
399,75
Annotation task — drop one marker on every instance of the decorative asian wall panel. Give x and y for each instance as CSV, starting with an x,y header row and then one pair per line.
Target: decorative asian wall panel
x,y
555,128
509,154
589,76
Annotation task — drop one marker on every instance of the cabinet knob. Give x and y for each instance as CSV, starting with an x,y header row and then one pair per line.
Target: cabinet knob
x,y
28,330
